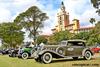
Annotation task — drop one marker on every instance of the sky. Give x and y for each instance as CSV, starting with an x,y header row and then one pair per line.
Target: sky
x,y
78,9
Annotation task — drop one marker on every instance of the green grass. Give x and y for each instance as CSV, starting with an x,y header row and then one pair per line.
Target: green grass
x,y
6,61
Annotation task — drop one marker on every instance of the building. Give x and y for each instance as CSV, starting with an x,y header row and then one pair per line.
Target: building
x,y
63,18
64,23
84,29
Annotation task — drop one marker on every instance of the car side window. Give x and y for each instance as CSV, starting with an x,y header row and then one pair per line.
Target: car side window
x,y
75,44
70,44
80,44
62,43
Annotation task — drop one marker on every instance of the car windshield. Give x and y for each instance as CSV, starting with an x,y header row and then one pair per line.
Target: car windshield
x,y
62,43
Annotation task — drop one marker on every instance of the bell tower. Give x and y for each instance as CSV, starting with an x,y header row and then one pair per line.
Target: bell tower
x,y
63,18
62,7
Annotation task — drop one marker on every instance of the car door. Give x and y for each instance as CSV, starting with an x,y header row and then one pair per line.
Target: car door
x,y
74,48
78,48
69,49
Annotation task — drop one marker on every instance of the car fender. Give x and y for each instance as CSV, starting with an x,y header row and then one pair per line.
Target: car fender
x,y
86,49
53,53
27,52
44,51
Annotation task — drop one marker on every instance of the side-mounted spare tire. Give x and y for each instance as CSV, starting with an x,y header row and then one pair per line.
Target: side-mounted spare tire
x,y
46,58
60,51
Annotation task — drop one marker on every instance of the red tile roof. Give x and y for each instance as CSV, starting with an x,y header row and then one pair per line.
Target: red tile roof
x,y
85,28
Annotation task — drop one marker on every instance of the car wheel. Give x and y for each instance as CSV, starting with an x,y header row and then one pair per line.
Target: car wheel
x,y
88,55
9,55
46,58
75,58
13,55
25,55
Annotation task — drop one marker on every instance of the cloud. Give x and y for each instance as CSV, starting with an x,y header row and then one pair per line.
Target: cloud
x,y
82,10
13,8
79,9
5,15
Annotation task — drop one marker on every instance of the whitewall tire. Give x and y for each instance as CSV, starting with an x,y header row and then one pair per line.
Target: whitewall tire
x,y
47,58
25,55
88,55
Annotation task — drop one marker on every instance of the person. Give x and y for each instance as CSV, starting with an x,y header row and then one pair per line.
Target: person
x,y
41,45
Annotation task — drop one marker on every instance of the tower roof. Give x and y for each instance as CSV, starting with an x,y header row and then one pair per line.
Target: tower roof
x,y
62,3
62,6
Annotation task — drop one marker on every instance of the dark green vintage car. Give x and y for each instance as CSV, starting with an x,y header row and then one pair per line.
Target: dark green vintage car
x,y
25,52
68,48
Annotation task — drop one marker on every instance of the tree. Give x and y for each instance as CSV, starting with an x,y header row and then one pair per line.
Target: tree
x,y
32,20
95,35
41,39
82,35
92,20
59,36
96,4
11,34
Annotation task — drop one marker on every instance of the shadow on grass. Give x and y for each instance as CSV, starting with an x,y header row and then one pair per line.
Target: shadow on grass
x,y
64,60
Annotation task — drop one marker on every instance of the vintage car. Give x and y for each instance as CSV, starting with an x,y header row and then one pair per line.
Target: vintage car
x,y
67,48
25,52
5,51
13,53
96,48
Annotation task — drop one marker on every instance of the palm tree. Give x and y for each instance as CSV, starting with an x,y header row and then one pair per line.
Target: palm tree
x,y
98,11
96,4
92,20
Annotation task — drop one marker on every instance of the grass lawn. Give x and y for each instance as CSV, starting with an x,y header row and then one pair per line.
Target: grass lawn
x,y
6,61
